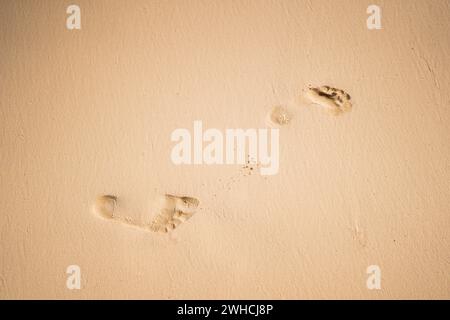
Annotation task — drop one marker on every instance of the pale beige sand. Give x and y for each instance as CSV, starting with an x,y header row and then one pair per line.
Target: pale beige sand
x,y
90,112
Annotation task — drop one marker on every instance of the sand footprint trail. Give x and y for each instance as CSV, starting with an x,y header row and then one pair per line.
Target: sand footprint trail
x,y
177,209
335,101
171,213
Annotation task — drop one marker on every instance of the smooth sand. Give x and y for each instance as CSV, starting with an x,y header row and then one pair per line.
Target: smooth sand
x,y
90,112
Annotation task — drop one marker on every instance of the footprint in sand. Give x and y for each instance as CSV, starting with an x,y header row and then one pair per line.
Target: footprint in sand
x,y
335,100
278,116
176,210
173,211
104,206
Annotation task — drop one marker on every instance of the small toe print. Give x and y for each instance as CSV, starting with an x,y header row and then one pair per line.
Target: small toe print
x,y
164,221
186,204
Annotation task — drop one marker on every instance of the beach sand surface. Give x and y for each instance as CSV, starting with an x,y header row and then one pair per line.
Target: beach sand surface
x,y
90,112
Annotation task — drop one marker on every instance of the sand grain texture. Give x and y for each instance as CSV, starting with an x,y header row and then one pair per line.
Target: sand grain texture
x,y
90,111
